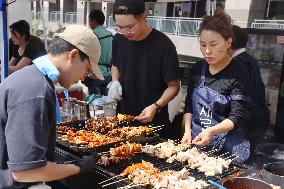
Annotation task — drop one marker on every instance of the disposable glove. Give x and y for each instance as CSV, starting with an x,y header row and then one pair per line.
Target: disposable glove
x,y
115,90
87,163
103,101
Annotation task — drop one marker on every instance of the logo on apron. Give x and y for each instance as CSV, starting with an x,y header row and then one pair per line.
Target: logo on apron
x,y
205,115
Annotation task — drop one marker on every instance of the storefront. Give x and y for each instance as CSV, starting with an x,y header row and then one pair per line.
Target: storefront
x,y
267,46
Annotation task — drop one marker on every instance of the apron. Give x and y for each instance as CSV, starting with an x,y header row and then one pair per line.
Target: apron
x,y
208,108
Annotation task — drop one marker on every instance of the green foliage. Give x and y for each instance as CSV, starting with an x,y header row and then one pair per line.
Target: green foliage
x,y
50,34
37,32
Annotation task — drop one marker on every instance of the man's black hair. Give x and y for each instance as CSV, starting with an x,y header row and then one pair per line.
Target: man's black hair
x,y
59,46
240,37
22,27
97,15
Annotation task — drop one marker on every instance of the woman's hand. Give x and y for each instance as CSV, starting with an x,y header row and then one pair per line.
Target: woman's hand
x,y
203,138
186,139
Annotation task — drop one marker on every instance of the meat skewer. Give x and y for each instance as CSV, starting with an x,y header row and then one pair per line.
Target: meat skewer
x,y
211,152
120,153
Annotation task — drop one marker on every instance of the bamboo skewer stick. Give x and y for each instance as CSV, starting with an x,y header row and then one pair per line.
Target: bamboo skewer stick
x,y
111,183
109,179
157,126
132,185
229,157
223,154
156,130
234,158
211,152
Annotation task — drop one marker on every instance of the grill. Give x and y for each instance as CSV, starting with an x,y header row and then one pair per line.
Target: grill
x,y
69,153
110,171
62,156
82,150
163,165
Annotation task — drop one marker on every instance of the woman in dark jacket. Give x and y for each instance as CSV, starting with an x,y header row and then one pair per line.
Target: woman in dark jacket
x,y
218,97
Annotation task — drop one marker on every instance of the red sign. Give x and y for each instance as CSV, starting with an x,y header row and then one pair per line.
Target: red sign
x,y
280,39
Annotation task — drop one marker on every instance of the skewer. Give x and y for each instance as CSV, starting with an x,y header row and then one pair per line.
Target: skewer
x,y
114,182
155,127
177,140
132,185
102,153
234,158
229,157
124,187
154,131
202,148
223,154
211,152
109,179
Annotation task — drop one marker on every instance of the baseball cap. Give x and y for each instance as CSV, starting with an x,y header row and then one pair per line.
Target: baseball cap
x,y
85,40
129,6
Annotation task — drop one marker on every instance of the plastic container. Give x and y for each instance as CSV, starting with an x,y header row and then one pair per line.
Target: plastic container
x,y
99,113
109,111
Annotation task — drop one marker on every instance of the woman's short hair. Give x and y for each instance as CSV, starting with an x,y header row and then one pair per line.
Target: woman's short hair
x,y
22,27
220,22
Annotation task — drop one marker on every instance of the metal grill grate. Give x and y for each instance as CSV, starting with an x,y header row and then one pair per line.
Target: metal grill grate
x,y
162,165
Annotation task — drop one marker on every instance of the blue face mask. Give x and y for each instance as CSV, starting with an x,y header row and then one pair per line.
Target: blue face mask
x,y
46,67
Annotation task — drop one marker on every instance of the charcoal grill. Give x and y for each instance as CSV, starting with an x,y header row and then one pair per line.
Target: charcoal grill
x,y
162,165
82,150
110,171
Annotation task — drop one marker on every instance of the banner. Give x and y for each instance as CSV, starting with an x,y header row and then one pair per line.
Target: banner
x,y
1,5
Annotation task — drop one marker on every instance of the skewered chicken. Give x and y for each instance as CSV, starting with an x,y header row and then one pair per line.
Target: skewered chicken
x,y
164,149
145,173
199,160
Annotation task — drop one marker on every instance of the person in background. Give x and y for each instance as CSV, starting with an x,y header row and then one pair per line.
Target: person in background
x,y
259,119
218,96
96,22
27,110
24,46
144,66
27,47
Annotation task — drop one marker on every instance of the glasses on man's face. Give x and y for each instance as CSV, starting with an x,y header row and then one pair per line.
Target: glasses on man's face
x,y
126,30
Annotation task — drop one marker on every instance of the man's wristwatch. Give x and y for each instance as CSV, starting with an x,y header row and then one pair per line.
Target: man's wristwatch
x,y
158,107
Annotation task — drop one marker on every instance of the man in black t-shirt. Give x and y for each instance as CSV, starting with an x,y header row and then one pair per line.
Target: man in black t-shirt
x,y
144,65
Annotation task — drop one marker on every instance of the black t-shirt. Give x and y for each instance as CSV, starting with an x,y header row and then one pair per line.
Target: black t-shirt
x,y
27,122
33,50
145,67
234,79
